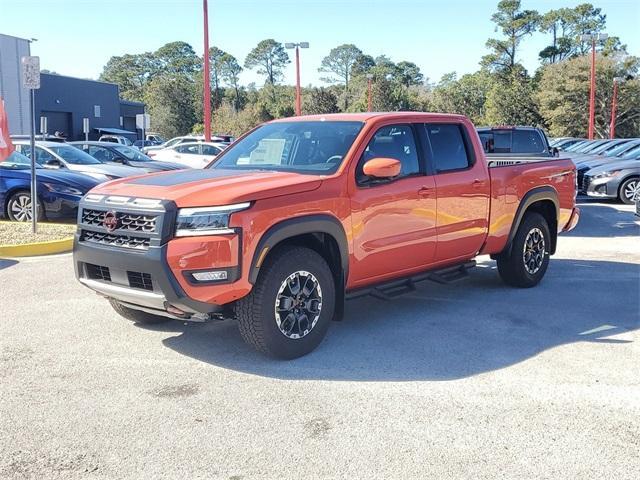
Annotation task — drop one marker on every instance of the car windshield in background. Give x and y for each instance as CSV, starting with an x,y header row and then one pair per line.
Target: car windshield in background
x,y
314,147
132,154
632,154
74,155
17,161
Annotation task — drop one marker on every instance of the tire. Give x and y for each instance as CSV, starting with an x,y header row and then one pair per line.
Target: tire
x,y
264,318
17,204
627,190
137,316
528,259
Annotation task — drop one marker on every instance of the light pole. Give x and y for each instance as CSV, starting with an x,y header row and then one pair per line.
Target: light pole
x,y
369,98
593,37
614,106
298,46
206,81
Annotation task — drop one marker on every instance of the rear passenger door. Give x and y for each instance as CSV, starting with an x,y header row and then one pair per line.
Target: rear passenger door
x,y
463,190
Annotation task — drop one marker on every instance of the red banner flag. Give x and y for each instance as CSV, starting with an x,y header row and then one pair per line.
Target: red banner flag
x,y
6,147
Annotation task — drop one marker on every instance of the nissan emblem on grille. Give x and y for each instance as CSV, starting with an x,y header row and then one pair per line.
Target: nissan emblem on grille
x,y
110,221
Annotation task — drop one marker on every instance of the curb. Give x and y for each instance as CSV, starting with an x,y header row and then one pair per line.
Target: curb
x,y
38,248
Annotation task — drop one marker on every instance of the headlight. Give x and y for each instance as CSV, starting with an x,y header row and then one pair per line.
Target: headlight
x,y
612,173
206,220
58,188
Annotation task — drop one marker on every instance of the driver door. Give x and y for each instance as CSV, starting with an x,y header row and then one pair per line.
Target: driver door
x,y
393,221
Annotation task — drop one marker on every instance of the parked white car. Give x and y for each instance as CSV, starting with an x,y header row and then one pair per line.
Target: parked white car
x,y
116,139
192,154
173,142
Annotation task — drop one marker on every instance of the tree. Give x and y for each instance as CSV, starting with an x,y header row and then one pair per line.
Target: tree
x,y
230,70
130,73
177,58
215,65
566,26
320,100
270,57
563,96
466,96
511,101
514,24
170,102
408,74
339,63
362,65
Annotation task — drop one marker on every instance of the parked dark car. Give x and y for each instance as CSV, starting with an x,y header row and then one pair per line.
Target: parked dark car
x,y
515,141
144,143
59,192
564,143
107,152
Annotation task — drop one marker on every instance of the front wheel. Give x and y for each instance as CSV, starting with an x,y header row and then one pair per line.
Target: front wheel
x,y
289,309
630,191
19,207
527,261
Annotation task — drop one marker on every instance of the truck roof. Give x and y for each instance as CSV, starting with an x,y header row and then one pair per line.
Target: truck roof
x,y
363,117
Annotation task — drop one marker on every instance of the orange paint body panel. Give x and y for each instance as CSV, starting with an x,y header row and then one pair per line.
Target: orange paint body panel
x,y
394,229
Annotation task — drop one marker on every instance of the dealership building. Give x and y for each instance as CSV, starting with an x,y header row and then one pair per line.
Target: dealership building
x,y
64,101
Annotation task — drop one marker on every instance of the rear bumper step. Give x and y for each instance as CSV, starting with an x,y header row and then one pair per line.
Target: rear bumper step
x,y
395,288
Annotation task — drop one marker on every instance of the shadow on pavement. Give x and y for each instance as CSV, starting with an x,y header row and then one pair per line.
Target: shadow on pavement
x,y
444,332
7,262
602,220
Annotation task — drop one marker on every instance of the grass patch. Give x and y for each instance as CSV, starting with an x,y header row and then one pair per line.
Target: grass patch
x,y
19,233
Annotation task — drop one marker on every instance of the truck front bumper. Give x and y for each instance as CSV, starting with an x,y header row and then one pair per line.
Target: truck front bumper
x,y
137,279
137,260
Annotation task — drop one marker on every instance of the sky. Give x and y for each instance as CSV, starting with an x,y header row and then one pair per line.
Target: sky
x,y
77,37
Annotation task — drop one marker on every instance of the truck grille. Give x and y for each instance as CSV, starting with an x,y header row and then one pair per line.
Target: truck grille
x,y
140,280
125,221
98,272
115,240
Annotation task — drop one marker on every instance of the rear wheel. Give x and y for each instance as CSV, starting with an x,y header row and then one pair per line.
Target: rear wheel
x,y
289,309
19,207
527,261
137,316
630,191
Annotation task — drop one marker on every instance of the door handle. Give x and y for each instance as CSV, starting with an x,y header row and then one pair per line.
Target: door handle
x,y
425,191
477,183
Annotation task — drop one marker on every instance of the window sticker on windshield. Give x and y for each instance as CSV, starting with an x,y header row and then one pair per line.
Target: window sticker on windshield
x,y
268,152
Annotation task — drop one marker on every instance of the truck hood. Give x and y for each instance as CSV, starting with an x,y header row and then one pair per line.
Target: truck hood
x,y
208,187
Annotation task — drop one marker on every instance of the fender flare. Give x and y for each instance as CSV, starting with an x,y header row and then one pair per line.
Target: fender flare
x,y
535,195
298,226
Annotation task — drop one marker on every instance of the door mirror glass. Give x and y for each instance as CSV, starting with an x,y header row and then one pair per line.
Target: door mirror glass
x,y
382,168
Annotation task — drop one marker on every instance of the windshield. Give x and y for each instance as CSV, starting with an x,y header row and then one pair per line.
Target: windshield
x,y
73,155
17,161
632,154
621,149
132,154
313,147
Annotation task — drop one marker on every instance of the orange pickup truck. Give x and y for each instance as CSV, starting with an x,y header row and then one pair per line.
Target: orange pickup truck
x,y
300,214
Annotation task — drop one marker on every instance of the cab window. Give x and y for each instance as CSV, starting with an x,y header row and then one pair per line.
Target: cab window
x,y
394,141
448,147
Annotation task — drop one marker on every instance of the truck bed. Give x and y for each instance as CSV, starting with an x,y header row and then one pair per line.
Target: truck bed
x,y
512,178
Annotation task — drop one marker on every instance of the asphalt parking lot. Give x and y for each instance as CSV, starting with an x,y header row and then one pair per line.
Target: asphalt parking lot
x,y
473,380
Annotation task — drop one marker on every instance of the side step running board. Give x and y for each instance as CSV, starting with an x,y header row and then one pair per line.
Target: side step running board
x,y
395,288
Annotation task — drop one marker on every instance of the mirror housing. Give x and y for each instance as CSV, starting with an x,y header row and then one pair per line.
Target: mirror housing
x,y
52,164
382,168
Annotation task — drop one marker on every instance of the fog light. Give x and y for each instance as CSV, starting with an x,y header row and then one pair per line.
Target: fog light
x,y
210,276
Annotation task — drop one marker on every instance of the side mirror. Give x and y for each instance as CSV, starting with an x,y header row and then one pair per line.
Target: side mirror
x,y
382,167
554,151
52,164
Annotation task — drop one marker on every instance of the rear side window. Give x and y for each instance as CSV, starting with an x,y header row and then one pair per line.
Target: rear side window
x,y
448,147
527,141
